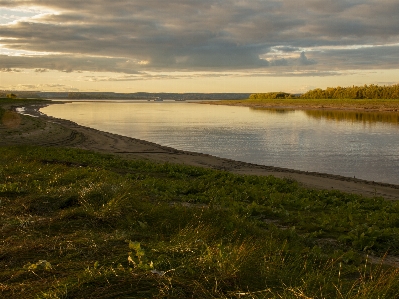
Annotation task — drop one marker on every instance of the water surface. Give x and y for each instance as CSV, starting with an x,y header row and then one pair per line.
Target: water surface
x,y
353,144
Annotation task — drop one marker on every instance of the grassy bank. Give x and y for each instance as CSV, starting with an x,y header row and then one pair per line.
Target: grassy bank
x,y
76,224
349,104
6,102
9,118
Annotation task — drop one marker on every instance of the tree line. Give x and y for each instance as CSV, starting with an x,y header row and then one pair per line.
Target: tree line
x,y
355,92
272,95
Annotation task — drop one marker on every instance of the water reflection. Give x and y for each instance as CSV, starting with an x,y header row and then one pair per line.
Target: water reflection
x,y
355,116
340,115
273,110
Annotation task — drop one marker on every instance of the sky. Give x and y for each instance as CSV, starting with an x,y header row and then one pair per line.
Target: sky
x,y
197,45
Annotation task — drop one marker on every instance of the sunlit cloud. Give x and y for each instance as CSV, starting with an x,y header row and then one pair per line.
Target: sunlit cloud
x,y
11,16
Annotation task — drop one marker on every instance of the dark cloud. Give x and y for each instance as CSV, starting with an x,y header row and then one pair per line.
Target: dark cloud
x,y
69,63
150,35
303,60
378,57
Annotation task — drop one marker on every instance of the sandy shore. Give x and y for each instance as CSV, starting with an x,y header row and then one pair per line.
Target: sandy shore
x,y
48,131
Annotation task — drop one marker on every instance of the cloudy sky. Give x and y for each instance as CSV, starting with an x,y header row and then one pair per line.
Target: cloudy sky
x,y
197,45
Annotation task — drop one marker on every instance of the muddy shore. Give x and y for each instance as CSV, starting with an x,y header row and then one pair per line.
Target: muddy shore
x,y
48,131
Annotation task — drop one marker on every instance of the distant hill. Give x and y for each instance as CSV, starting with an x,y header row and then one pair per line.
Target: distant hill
x,y
115,95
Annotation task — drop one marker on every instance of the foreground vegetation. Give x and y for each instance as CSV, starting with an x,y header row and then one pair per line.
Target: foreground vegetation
x,y
355,92
76,224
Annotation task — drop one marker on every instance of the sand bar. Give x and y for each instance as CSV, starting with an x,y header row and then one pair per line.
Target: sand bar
x,y
48,131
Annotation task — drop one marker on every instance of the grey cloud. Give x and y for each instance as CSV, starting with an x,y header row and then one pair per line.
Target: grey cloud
x,y
127,78
43,87
287,49
330,6
279,62
384,57
305,73
9,70
149,35
70,63
60,87
27,86
303,60
146,76
387,83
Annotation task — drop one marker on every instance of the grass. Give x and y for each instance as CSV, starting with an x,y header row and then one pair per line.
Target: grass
x,y
7,115
380,104
10,102
77,224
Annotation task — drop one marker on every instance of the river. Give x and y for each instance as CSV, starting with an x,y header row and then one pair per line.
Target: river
x,y
364,145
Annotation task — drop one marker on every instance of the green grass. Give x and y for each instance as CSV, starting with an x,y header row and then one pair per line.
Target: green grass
x,y
338,103
6,101
76,224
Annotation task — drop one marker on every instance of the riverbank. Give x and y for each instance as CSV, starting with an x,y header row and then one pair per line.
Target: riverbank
x,y
364,105
47,131
80,224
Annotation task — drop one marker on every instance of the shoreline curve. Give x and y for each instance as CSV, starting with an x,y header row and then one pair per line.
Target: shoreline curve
x,y
61,132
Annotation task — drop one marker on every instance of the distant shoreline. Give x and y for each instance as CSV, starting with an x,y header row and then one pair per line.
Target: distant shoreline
x,y
310,104
43,130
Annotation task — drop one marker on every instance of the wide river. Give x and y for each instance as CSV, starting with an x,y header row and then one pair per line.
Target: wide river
x,y
352,144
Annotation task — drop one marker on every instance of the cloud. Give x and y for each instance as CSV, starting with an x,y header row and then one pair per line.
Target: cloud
x,y
9,70
311,73
25,87
70,63
303,60
139,36
58,87
377,57
160,76
43,87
